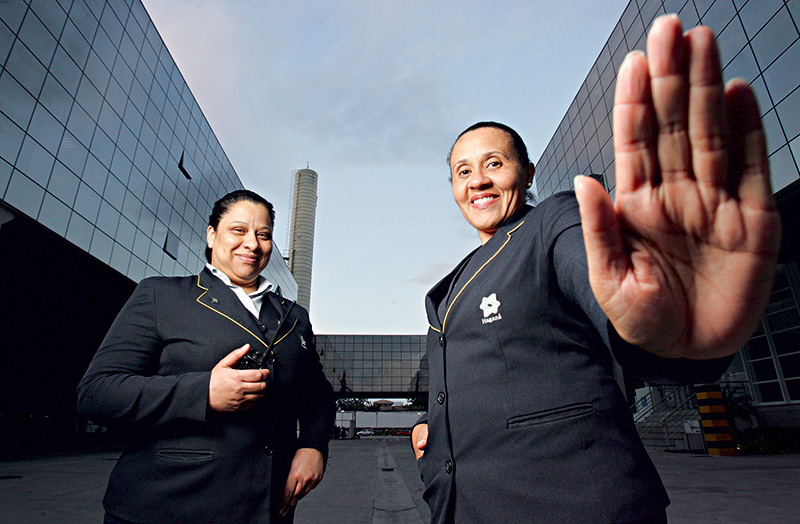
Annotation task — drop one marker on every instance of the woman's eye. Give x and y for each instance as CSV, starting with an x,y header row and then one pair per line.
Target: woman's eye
x,y
463,173
494,163
265,236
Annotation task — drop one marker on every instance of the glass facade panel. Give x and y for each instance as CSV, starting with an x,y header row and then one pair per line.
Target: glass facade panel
x,y
54,214
780,74
100,70
731,41
788,111
5,175
56,99
380,365
783,168
12,14
45,129
75,44
777,36
763,370
758,347
793,388
790,365
6,41
24,66
24,194
38,39
719,14
35,161
101,246
16,103
755,15
93,83
63,184
769,392
11,137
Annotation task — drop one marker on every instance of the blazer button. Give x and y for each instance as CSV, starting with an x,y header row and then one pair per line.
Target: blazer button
x,y
441,341
267,450
448,466
440,398
271,358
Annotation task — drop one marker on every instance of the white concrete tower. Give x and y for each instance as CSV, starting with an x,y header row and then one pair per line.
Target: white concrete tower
x,y
301,241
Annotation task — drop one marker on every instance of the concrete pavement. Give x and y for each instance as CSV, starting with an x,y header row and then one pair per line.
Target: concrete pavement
x,y
375,481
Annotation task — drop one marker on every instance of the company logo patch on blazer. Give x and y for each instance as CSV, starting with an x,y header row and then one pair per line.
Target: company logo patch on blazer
x,y
490,306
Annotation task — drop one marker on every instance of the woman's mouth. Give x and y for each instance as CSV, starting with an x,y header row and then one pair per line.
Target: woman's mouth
x,y
484,200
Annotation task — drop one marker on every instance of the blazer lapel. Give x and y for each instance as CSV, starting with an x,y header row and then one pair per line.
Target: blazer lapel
x,y
216,296
443,291
287,320
481,259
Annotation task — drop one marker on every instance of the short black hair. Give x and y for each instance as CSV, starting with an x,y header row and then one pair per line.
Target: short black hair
x,y
222,206
516,140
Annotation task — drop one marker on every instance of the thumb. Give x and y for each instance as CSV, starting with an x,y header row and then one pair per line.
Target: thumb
x,y
234,356
421,443
601,231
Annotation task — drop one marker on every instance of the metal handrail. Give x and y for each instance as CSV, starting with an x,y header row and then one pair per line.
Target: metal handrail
x,y
633,407
672,413
639,415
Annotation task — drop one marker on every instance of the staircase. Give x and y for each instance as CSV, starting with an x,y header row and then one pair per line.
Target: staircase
x,y
661,424
664,430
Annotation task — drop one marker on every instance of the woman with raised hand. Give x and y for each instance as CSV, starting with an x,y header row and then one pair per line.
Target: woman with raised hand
x,y
526,422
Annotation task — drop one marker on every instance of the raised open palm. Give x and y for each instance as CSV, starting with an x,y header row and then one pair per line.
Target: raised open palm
x,y
683,261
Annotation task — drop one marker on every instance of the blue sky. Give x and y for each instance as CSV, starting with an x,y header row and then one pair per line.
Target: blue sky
x,y
371,94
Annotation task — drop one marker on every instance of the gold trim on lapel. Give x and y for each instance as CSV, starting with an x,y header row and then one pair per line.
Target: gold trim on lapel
x,y
285,334
205,290
508,239
278,302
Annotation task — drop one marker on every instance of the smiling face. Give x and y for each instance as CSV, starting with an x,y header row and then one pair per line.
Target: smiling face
x,y
242,243
488,180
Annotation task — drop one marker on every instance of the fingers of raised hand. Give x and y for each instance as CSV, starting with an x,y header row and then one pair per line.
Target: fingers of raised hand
x,y
633,125
708,123
667,57
669,117
748,156
689,102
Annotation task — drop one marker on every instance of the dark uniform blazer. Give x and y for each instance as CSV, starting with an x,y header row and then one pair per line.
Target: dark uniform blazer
x,y
186,463
526,421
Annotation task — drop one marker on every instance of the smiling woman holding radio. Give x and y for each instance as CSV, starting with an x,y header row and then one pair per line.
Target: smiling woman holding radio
x,y
211,375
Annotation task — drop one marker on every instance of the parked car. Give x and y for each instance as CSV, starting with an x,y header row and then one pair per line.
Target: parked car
x,y
404,433
365,433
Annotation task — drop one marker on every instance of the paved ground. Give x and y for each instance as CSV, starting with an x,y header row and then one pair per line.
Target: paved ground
x,y
375,481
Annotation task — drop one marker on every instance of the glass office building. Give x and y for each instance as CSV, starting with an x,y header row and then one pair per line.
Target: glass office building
x,y
759,41
108,172
388,366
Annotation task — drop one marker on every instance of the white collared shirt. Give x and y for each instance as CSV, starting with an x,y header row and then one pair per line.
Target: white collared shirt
x,y
252,301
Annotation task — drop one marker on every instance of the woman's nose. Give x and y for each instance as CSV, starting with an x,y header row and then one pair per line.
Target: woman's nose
x,y
251,241
478,179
